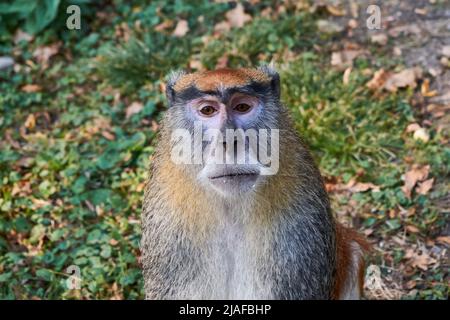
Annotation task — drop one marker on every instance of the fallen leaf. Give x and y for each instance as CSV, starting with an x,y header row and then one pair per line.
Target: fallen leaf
x,y
443,239
222,27
329,27
361,187
392,213
422,135
134,108
335,11
154,126
404,29
403,79
379,38
421,11
123,31
354,186
39,203
425,186
25,162
43,54
22,36
344,59
352,24
412,229
411,284
164,25
267,12
413,127
437,110
8,137
346,76
108,135
378,80
222,62
196,64
181,29
412,177
354,8
397,51
30,123
237,17
419,259
30,88
425,89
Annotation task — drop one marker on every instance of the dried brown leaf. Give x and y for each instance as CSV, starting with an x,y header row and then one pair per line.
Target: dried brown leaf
x,y
403,79
134,108
379,38
335,11
412,127
181,29
108,135
443,239
378,80
237,17
30,123
419,258
412,177
344,59
43,54
30,88
346,76
425,186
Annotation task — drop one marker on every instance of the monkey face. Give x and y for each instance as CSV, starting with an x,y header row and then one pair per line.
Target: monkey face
x,y
223,122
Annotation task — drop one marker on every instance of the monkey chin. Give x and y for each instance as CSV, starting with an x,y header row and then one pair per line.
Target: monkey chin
x,y
232,181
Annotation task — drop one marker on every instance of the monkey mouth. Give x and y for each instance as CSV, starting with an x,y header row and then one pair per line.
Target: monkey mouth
x,y
235,175
233,183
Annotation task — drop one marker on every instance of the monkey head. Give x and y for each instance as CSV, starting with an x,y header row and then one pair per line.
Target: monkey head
x,y
222,124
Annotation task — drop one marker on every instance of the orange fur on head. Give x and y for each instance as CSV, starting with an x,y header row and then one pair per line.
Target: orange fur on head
x,y
213,80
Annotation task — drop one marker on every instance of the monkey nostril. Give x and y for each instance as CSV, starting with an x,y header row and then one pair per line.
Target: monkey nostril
x,y
224,143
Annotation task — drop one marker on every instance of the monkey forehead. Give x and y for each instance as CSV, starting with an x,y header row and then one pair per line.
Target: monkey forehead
x,y
220,78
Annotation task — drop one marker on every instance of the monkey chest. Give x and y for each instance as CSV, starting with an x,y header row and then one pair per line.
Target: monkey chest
x,y
233,266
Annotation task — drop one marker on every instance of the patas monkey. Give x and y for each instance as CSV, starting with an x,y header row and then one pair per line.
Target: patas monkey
x,y
216,230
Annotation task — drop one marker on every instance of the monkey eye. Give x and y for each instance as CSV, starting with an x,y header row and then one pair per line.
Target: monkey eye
x,y
242,107
207,111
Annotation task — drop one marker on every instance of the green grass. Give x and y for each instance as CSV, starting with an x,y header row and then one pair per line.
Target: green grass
x,y
71,195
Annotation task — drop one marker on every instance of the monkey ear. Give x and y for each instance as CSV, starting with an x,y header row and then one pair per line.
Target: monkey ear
x,y
274,76
172,79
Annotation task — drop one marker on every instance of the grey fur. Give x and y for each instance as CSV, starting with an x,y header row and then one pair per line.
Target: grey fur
x,y
292,257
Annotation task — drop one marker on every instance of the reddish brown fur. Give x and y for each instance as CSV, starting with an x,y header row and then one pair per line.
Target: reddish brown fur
x,y
212,80
344,239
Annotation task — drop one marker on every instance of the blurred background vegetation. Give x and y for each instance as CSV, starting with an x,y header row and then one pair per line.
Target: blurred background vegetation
x,y
79,114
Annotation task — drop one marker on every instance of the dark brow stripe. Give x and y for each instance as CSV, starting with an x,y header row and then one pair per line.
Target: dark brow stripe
x,y
254,89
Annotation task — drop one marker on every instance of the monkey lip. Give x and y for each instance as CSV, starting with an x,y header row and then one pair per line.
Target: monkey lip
x,y
235,175
234,182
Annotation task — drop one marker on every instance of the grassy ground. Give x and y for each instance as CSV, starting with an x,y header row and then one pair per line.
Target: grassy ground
x,y
79,114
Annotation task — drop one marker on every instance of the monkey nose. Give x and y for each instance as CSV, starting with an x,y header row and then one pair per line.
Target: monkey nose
x,y
230,146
